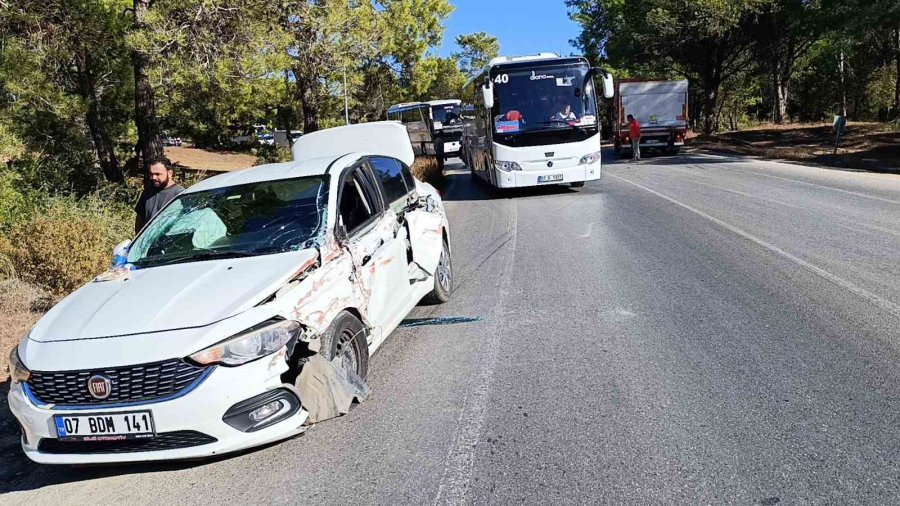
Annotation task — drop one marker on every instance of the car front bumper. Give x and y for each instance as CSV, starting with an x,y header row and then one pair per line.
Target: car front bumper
x,y
200,410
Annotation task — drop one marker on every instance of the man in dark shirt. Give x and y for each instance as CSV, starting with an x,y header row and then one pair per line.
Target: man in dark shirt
x,y
161,191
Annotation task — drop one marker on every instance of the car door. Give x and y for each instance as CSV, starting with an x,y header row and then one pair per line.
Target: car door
x,y
423,226
378,248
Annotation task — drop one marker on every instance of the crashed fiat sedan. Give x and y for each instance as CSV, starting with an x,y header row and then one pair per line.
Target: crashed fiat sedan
x,y
203,342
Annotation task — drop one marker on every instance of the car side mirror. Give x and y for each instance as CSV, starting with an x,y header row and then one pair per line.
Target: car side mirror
x,y
487,92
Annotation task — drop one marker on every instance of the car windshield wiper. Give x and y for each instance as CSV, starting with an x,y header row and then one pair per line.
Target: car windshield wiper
x,y
199,256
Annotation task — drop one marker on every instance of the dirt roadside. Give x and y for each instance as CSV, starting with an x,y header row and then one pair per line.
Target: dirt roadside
x,y
211,161
864,146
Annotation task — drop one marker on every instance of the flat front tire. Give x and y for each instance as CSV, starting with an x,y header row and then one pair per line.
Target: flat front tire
x,y
347,338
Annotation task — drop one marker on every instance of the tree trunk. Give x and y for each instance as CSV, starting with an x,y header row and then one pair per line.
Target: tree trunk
x,y
102,145
843,111
897,82
309,101
781,98
149,141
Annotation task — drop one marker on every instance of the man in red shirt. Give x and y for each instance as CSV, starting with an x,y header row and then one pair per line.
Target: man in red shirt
x,y
634,130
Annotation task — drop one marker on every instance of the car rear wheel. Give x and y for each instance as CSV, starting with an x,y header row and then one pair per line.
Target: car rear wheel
x,y
443,278
577,184
346,337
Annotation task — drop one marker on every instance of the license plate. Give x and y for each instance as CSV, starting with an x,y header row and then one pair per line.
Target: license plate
x,y
653,141
547,179
105,427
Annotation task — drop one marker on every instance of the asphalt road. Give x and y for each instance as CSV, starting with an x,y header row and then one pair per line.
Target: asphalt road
x,y
697,329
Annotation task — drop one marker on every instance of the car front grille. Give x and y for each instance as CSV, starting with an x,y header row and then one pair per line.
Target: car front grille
x,y
162,441
138,383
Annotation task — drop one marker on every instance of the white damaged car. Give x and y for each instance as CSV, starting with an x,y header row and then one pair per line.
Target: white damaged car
x,y
195,347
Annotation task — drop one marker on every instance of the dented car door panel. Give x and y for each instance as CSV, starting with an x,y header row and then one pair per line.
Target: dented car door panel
x,y
425,237
380,259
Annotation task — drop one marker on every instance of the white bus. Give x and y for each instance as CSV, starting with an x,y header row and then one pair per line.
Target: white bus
x,y
535,121
435,127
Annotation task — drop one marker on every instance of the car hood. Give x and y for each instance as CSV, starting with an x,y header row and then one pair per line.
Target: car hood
x,y
178,296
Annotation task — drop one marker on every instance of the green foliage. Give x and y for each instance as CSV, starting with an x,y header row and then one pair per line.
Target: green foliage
x,y
476,50
752,60
267,153
68,242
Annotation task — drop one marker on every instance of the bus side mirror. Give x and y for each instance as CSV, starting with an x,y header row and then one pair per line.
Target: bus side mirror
x,y
607,85
608,89
487,90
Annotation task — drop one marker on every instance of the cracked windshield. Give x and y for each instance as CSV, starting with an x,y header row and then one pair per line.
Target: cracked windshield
x,y
254,219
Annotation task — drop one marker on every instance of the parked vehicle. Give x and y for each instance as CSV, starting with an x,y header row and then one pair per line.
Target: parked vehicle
x,y
259,134
281,138
434,127
660,107
196,346
535,121
170,140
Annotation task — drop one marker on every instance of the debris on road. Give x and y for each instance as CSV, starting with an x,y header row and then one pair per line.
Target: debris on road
x,y
327,389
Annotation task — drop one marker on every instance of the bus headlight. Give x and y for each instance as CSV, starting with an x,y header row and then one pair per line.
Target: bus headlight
x,y
589,159
507,166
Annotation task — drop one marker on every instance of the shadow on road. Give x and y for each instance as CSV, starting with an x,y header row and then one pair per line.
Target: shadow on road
x,y
460,186
18,473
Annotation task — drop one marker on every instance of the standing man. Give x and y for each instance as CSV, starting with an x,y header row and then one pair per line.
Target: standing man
x,y
634,129
161,191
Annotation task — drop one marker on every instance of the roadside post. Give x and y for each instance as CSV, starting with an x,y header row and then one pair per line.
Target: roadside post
x,y
838,127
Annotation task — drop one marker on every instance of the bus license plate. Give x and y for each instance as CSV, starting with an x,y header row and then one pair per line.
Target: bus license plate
x,y
105,427
547,179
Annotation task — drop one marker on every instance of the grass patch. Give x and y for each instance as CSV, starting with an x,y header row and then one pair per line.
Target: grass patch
x,y
426,168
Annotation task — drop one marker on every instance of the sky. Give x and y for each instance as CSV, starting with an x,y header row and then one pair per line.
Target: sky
x,y
522,26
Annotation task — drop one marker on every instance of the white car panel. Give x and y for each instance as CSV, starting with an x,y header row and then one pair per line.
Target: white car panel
x,y
166,313
213,290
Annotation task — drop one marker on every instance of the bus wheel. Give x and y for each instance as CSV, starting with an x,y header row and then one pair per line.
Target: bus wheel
x,y
577,184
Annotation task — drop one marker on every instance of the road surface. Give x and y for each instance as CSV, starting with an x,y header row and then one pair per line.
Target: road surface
x,y
697,329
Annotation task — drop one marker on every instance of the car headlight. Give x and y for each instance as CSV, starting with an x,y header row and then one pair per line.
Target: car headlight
x,y
507,166
17,370
251,344
589,159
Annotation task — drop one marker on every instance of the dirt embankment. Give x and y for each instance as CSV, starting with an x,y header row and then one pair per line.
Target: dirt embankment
x,y
865,146
212,161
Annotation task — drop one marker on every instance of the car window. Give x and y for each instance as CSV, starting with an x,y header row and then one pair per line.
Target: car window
x,y
407,176
251,219
356,205
390,173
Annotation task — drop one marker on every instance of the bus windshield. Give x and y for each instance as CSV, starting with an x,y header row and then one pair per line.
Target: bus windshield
x,y
446,115
542,98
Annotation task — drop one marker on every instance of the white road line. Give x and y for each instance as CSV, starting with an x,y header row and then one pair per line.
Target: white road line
x,y
832,188
589,230
457,475
881,302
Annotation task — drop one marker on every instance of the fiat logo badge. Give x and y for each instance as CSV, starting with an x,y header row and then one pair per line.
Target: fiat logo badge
x,y
549,164
99,386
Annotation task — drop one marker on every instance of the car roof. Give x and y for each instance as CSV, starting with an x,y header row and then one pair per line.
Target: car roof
x,y
317,152
269,172
384,138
